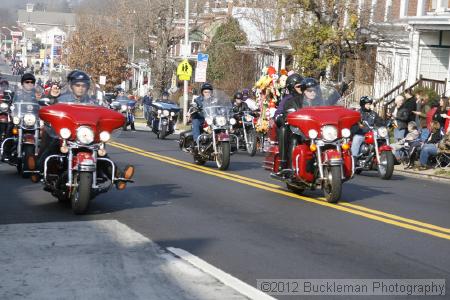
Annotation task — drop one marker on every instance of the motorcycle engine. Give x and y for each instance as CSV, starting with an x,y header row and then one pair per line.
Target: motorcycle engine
x,y
365,149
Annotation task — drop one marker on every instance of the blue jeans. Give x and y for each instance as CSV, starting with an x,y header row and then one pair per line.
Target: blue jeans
x,y
357,141
399,134
424,134
196,128
425,153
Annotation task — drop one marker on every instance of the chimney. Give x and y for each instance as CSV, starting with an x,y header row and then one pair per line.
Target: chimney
x,y
30,7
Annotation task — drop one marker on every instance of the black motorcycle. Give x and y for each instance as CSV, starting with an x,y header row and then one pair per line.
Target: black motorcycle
x,y
5,103
243,132
127,108
164,116
25,133
214,142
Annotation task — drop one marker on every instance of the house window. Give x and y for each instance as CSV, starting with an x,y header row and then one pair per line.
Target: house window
x,y
434,63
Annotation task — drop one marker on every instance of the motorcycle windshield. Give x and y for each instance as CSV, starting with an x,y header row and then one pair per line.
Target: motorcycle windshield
x,y
323,95
70,98
24,103
218,105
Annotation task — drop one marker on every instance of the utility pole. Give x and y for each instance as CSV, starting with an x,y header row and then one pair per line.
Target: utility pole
x,y
186,54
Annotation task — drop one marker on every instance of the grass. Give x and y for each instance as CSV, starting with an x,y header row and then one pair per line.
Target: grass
x,y
443,172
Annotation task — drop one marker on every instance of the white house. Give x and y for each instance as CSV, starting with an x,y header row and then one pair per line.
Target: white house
x,y
416,42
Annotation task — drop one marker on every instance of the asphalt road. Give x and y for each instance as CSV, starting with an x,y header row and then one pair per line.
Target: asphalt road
x,y
250,226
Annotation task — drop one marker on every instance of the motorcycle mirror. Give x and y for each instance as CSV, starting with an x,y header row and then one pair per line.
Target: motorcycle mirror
x,y
44,101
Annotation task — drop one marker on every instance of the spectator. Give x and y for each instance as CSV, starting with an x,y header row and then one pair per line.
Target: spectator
x,y
400,116
441,112
430,147
413,135
444,144
147,104
422,114
410,104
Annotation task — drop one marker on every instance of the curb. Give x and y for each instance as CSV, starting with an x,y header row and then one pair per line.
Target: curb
x,y
423,176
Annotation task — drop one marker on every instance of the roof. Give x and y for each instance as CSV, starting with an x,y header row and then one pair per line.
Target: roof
x,y
46,18
280,44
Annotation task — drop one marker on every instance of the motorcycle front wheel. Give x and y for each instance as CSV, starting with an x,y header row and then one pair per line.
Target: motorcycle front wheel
x,y
223,155
386,165
81,196
251,145
333,183
28,151
163,132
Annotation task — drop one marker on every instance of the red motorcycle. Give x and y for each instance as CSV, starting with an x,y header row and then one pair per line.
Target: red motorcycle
x,y
319,151
77,172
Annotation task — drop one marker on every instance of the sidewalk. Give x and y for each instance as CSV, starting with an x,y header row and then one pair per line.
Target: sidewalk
x,y
426,174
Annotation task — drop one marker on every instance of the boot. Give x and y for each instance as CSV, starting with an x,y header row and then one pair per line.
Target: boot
x,y
127,174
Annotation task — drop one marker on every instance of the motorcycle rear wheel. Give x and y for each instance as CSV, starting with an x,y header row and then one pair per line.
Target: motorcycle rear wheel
x,y
223,156
333,184
81,196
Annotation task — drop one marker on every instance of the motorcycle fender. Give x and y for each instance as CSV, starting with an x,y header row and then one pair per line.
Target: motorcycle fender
x,y
84,161
302,163
28,139
347,164
384,148
164,121
223,137
331,157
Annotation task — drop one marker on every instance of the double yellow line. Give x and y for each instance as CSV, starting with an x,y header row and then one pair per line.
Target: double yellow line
x,y
406,223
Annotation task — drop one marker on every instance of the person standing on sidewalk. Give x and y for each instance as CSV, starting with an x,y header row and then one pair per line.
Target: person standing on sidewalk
x,y
421,113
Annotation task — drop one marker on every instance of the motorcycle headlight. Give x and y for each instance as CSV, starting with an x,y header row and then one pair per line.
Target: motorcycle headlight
x,y
85,135
346,132
329,133
4,107
123,107
221,121
172,113
209,120
65,133
159,111
382,132
248,118
16,120
29,119
105,136
232,121
166,113
312,133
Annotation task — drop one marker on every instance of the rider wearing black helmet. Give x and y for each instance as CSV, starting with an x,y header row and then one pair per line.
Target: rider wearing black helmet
x,y
291,82
79,83
310,90
291,102
367,116
238,103
198,118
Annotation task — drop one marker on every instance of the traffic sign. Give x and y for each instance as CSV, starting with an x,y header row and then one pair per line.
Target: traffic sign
x,y
184,70
16,33
202,57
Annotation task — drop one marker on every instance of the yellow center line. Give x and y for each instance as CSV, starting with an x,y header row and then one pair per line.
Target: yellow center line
x,y
345,206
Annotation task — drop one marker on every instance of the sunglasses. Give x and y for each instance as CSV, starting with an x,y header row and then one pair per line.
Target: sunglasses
x,y
29,81
297,86
80,85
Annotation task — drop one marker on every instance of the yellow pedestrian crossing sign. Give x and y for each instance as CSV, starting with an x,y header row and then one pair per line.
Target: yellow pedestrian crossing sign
x,y
184,70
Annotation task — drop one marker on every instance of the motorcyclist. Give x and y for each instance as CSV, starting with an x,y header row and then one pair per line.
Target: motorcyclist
x,y
79,83
238,105
293,84
367,116
198,117
27,93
